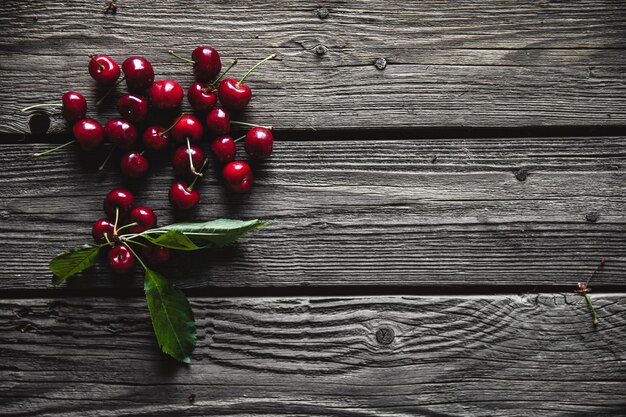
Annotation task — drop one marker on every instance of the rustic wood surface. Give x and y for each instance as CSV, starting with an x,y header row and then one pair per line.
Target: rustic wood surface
x,y
497,356
540,63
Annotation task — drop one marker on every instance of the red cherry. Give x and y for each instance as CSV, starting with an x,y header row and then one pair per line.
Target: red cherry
x,y
118,199
121,133
238,176
134,165
183,198
156,138
200,97
166,94
259,143
218,121
234,96
88,133
224,149
187,127
121,259
144,217
104,69
180,160
138,73
74,106
207,63
155,255
133,107
101,227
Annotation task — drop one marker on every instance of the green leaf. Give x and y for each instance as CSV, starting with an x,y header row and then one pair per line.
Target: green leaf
x,y
172,317
73,261
173,239
216,233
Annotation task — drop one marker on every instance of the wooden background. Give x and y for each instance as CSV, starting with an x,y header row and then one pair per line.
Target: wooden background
x,y
390,282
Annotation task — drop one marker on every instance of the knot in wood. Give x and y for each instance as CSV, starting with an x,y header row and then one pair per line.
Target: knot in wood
x,y
380,64
521,174
322,12
592,216
320,50
385,335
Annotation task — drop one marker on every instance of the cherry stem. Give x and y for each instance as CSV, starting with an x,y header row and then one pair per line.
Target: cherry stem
x,y
117,216
172,126
35,155
135,253
93,57
239,138
106,237
99,102
593,310
235,122
174,54
598,269
127,226
191,167
206,160
254,67
219,77
35,106
101,167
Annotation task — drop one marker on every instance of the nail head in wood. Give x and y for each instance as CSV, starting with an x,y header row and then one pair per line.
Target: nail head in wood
x,y
380,64
322,12
592,216
385,335
320,50
521,174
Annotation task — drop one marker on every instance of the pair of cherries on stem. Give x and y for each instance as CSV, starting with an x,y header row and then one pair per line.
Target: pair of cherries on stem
x,y
121,216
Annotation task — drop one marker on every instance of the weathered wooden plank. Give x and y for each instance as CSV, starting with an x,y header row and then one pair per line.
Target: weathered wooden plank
x,y
355,213
474,64
497,356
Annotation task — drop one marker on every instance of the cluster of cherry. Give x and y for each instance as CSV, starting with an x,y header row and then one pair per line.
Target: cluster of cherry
x,y
162,97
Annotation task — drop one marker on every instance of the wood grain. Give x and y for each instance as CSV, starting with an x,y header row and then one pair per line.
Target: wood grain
x,y
497,356
353,213
478,63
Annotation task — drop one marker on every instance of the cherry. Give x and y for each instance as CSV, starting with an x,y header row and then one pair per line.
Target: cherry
x,y
104,69
144,217
133,107
101,227
121,259
224,149
88,133
181,162
156,138
74,106
200,97
119,200
218,121
187,127
238,176
235,95
138,73
207,63
134,165
259,142
121,133
166,94
155,255
183,197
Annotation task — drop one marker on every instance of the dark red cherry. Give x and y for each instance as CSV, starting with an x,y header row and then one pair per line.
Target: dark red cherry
x,y
155,255
144,217
88,133
224,149
118,199
101,227
207,63
133,107
187,127
259,143
166,94
104,69
156,138
121,259
238,176
200,97
180,160
138,73
134,165
218,121
183,198
234,96
74,106
121,133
